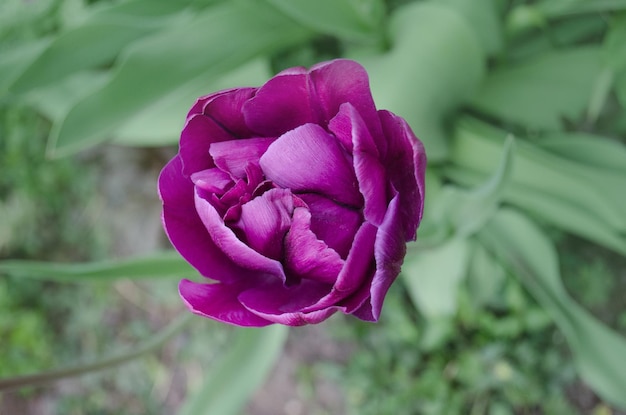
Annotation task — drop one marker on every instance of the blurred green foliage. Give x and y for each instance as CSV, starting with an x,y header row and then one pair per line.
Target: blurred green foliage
x,y
481,322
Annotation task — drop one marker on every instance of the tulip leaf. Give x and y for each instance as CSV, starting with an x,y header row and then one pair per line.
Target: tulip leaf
x,y
164,265
537,92
598,191
239,372
97,41
598,352
346,19
433,275
419,78
559,8
15,60
484,19
161,121
218,40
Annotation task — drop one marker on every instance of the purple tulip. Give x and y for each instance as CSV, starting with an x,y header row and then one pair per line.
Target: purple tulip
x,y
296,198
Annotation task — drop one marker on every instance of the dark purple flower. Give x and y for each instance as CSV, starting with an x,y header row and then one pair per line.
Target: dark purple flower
x,y
297,198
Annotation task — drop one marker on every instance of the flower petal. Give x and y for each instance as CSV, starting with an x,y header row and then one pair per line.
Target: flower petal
x,y
305,255
406,166
233,156
231,246
265,220
226,110
334,224
186,231
349,126
212,180
219,302
340,81
197,135
389,251
309,160
283,305
355,278
280,105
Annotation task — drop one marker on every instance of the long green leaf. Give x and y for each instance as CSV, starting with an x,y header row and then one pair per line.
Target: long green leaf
x,y
149,345
347,19
538,92
219,39
97,41
598,352
239,372
419,79
163,265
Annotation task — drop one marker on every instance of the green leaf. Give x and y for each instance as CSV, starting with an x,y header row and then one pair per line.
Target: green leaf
x,y
477,147
432,276
164,265
589,149
346,19
147,346
161,121
97,41
560,8
239,372
484,19
14,61
597,350
159,64
538,92
419,79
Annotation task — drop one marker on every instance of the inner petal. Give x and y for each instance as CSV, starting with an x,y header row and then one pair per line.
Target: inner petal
x,y
332,223
233,156
305,255
310,160
264,221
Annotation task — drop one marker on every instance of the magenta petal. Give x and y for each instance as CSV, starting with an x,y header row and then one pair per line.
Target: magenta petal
x,y
406,166
355,278
219,302
309,160
226,110
340,81
370,172
233,156
334,224
283,305
264,221
197,135
305,255
201,102
280,105
389,251
233,248
212,180
186,231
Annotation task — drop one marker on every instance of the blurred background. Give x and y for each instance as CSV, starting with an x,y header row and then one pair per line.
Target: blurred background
x,y
511,301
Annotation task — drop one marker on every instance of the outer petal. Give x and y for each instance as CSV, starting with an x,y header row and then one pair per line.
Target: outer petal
x,y
309,160
389,251
198,134
305,255
334,224
226,110
233,156
283,305
265,220
355,278
406,167
219,302
349,126
340,81
280,105
186,231
233,248
201,102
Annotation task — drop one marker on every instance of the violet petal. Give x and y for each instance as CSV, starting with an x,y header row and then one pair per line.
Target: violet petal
x,y
233,156
219,302
309,160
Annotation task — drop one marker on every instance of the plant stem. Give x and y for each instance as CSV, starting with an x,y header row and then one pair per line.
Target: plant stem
x,y
147,346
